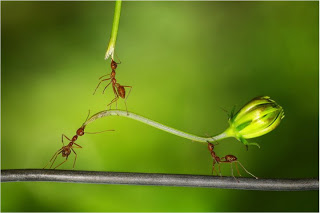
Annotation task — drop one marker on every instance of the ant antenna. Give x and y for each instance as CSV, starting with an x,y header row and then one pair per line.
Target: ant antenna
x,y
117,58
247,170
224,109
86,118
99,132
231,113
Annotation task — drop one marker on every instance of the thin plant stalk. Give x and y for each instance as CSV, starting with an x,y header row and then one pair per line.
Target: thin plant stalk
x,y
114,31
155,124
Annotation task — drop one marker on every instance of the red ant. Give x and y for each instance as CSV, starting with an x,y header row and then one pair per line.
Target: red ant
x,y
66,150
226,159
118,90
216,159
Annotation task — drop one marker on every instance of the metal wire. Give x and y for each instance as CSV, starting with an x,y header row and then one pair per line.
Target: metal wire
x,y
71,176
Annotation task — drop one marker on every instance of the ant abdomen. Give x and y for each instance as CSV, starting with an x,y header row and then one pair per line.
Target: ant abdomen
x,y
122,92
230,158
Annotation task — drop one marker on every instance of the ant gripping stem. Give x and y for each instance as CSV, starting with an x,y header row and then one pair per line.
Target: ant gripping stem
x,y
66,150
216,159
114,64
118,89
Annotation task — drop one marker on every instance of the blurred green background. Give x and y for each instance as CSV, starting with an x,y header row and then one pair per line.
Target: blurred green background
x,y
186,61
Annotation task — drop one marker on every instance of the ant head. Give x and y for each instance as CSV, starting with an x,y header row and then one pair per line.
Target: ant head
x,y
113,65
66,151
210,146
80,132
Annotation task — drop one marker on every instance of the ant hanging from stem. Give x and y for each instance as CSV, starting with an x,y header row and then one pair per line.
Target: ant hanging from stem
x,y
226,159
118,90
66,150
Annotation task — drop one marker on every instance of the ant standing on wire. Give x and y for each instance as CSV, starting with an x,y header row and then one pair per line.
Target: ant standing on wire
x,y
118,90
226,159
66,150
216,159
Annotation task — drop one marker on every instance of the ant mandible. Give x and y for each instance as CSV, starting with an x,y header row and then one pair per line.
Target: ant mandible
x,y
66,150
226,159
118,90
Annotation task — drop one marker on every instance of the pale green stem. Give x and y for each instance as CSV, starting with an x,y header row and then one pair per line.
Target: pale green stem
x,y
114,31
156,125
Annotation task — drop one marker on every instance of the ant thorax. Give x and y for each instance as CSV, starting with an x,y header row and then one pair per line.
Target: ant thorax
x,y
113,74
74,138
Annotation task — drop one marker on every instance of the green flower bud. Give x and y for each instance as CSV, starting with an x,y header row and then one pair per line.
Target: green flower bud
x,y
258,117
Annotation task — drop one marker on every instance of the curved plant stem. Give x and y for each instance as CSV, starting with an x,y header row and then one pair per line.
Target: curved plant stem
x,y
114,31
156,125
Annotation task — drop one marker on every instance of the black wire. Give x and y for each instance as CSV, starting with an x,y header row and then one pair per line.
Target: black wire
x,y
71,176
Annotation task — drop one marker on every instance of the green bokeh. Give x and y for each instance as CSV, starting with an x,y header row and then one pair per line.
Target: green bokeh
x,y
186,61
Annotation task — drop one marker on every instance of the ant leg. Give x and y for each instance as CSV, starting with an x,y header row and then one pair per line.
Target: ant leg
x,y
100,83
115,99
103,76
60,150
237,168
117,58
247,170
77,145
63,135
220,170
213,169
125,100
55,158
116,95
74,158
61,163
216,142
106,87
232,172
129,91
